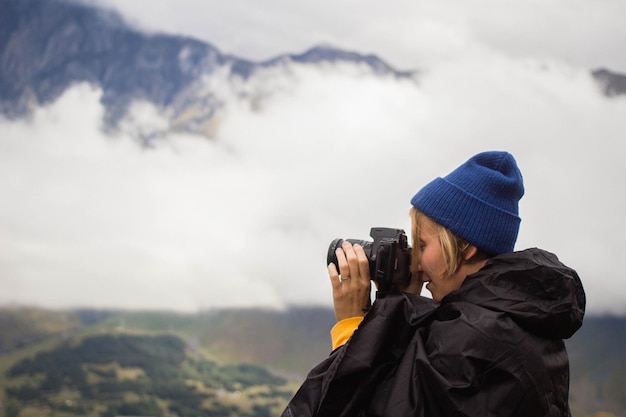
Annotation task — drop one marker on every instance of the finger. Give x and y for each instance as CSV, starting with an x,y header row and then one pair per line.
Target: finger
x,y
334,277
352,259
344,268
363,262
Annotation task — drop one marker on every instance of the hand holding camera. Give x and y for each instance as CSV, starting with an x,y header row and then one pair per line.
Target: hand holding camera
x,y
351,289
353,264
389,257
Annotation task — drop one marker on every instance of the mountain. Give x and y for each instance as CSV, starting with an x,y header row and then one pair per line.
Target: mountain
x,y
24,326
48,45
128,374
231,363
291,341
612,84
272,350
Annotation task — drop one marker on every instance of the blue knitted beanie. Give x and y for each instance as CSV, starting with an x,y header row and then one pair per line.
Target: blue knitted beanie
x,y
478,201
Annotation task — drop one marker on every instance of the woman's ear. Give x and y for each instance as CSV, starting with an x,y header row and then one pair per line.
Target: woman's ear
x,y
470,252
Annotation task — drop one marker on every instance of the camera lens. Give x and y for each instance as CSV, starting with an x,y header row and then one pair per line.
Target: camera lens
x,y
335,244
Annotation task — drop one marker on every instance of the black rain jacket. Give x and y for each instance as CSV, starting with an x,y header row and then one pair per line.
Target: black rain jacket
x,y
492,348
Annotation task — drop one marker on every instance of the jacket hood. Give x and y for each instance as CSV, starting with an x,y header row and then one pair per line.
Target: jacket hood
x,y
533,287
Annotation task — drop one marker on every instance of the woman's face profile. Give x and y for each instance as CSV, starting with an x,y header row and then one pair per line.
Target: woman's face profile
x,y
432,265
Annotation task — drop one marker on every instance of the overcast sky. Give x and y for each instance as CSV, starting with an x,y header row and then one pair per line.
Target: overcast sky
x,y
408,34
246,218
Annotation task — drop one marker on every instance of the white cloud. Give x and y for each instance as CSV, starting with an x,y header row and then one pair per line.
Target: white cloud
x,y
245,218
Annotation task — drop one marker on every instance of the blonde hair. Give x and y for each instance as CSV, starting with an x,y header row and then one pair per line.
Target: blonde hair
x,y
453,247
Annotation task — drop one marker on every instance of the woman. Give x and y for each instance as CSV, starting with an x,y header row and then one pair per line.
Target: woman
x,y
489,343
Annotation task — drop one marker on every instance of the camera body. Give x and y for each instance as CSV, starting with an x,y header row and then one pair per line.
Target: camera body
x,y
389,256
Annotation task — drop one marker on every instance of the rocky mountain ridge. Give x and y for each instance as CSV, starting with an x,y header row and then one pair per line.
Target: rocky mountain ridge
x,y
46,46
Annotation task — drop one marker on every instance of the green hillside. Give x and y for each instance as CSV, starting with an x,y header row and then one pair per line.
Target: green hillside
x,y
224,363
244,362
123,374
291,341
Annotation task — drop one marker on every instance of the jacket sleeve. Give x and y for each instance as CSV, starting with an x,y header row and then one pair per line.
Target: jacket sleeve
x,y
343,330
344,383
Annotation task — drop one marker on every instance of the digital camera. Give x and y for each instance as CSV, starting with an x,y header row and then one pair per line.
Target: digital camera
x,y
389,256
